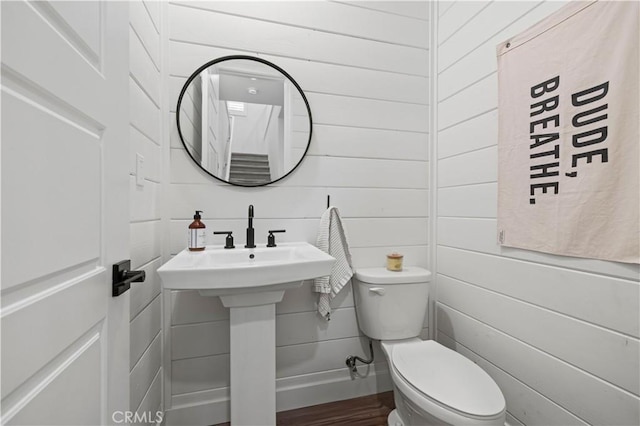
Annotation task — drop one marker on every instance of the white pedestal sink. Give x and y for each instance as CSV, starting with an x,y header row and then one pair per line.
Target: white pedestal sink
x,y
249,282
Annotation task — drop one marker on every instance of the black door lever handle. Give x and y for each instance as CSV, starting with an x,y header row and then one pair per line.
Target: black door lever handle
x,y
123,277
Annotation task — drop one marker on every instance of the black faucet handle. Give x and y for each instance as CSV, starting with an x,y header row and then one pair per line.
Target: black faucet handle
x,y
271,239
228,241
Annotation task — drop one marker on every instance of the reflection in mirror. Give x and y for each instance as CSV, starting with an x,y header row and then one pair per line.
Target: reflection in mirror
x,y
244,120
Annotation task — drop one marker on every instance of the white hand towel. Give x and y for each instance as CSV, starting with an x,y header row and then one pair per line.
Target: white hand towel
x,y
332,239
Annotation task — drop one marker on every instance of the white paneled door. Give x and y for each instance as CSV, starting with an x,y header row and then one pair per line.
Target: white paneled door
x,y
65,213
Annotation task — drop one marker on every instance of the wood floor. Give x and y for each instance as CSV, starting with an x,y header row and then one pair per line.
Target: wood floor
x,y
369,410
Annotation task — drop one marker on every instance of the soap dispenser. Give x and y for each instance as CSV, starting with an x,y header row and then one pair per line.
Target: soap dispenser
x,y
197,233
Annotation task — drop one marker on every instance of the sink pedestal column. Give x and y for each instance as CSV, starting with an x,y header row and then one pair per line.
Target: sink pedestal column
x,y
253,361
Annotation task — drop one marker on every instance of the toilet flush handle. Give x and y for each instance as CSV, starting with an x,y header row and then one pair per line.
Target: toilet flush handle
x,y
378,290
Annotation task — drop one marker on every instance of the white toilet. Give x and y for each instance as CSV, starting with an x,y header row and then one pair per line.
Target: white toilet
x,y
432,384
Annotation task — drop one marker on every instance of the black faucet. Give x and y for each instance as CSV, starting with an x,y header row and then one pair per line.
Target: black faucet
x,y
250,232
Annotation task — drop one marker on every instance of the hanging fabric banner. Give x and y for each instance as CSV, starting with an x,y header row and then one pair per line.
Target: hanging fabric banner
x,y
569,158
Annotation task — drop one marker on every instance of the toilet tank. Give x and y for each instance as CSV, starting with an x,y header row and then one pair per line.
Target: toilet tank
x,y
391,305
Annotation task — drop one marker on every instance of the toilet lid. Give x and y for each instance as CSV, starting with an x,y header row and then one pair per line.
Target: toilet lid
x,y
448,378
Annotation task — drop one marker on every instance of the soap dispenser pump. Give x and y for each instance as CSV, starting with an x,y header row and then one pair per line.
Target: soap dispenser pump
x,y
197,233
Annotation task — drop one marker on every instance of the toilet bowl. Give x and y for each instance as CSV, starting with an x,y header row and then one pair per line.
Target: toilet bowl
x,y
432,384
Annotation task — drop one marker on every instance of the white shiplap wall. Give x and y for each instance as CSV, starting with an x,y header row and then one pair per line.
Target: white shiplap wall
x,y
145,139
364,68
558,334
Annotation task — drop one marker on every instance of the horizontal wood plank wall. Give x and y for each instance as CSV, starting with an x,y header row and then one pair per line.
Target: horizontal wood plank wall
x,y
558,334
363,67
145,139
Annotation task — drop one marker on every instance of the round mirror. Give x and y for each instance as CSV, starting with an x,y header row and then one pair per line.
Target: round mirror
x,y
244,120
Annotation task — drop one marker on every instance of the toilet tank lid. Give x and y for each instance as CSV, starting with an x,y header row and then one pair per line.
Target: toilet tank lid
x,y
409,274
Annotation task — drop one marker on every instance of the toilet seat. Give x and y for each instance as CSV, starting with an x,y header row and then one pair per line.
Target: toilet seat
x,y
448,379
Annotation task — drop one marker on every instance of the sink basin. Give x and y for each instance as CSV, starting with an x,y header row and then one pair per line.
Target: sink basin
x,y
218,272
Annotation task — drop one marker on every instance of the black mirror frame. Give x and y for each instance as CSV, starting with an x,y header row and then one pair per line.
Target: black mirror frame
x,y
250,58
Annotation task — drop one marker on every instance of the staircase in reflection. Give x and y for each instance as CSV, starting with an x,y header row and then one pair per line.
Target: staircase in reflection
x,y
249,169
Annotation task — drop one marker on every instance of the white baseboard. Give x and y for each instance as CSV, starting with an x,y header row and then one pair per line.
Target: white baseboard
x,y
211,407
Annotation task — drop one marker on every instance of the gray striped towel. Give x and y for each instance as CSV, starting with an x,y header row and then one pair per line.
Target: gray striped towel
x,y
332,239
